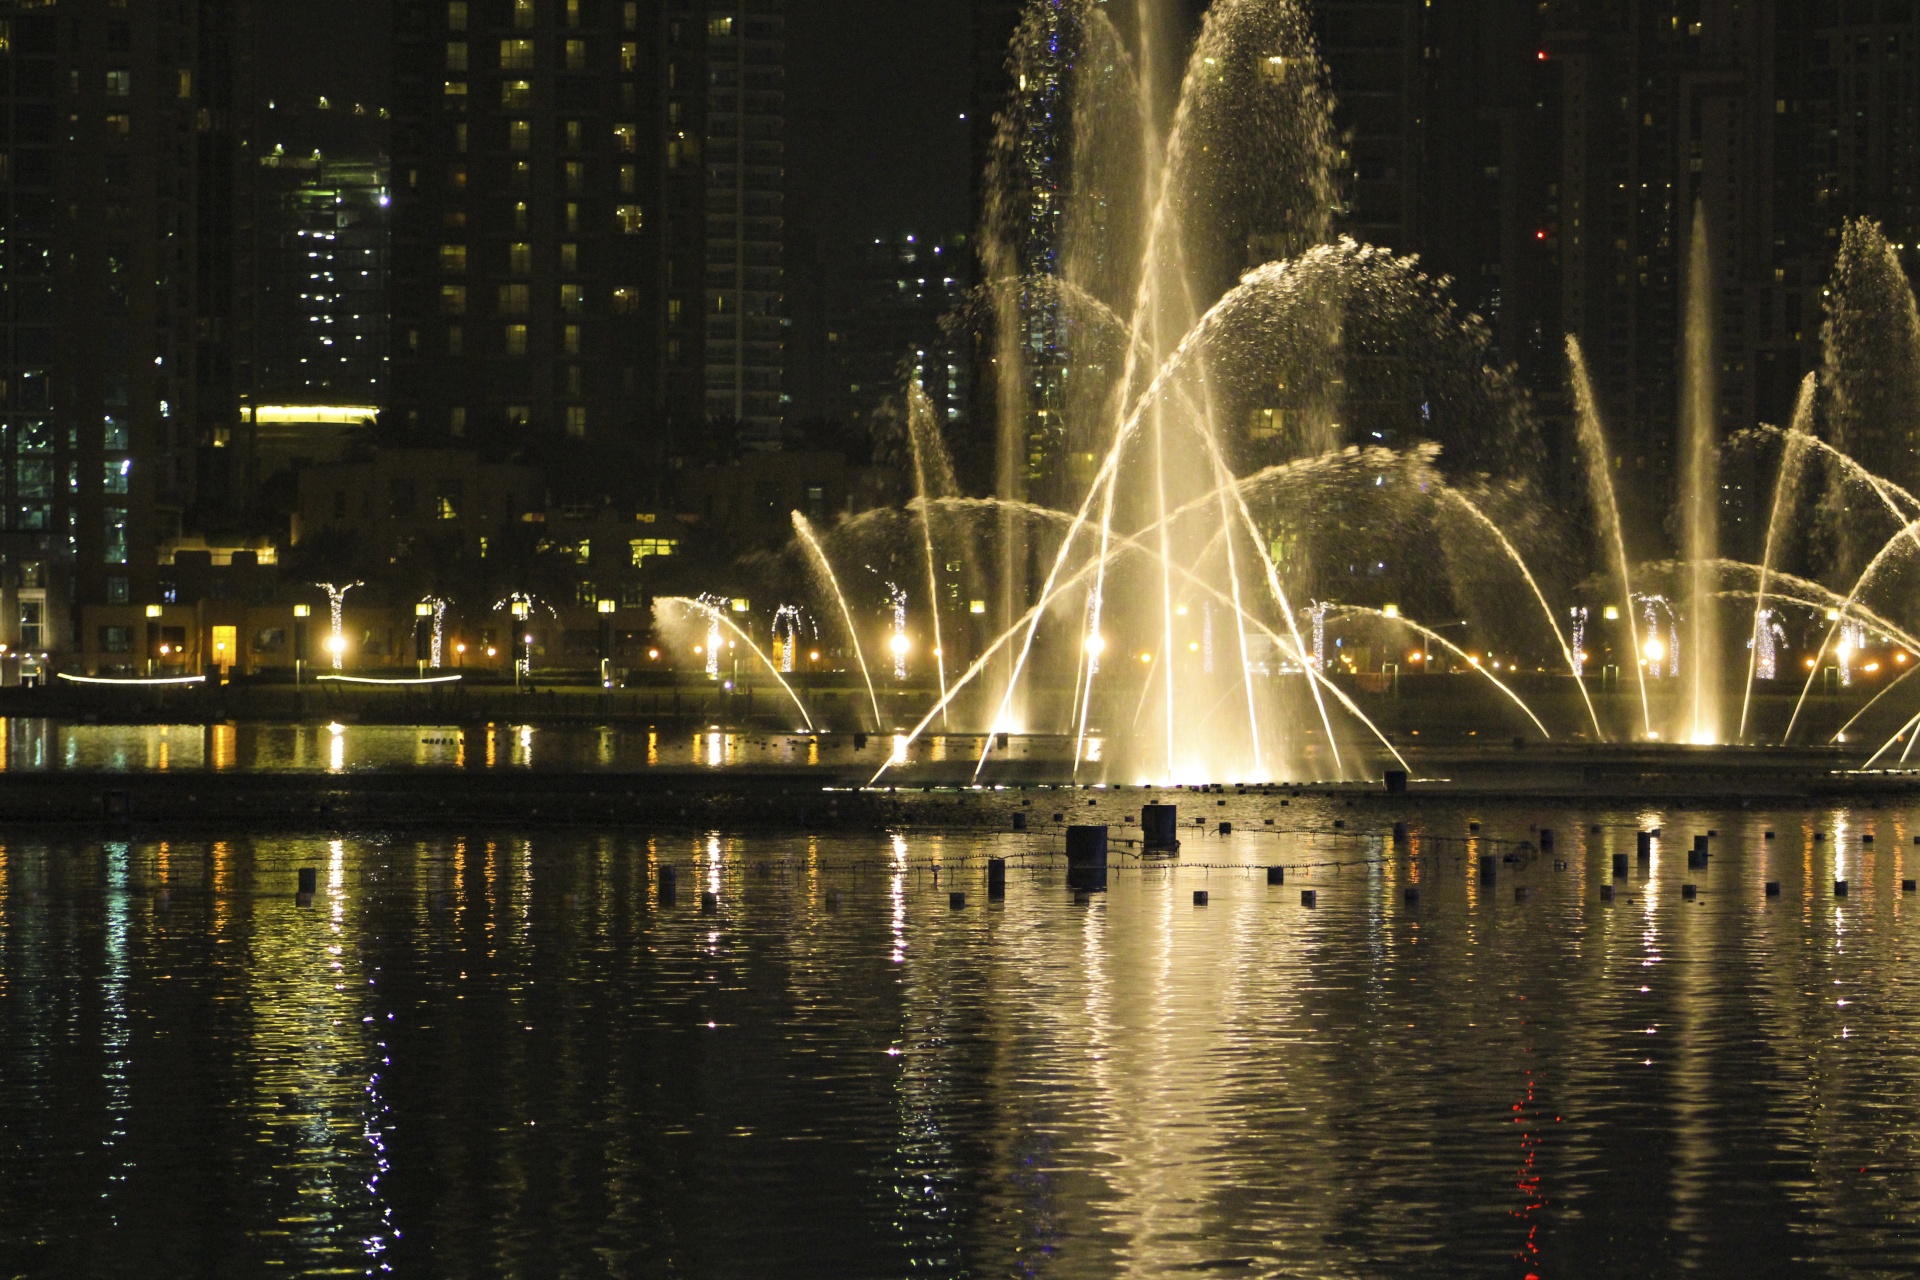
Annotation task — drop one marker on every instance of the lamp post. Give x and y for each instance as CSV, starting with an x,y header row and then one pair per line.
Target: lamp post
x,y
153,636
520,640
301,612
607,608
422,634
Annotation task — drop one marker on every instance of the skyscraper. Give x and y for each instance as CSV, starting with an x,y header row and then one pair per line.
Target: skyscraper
x,y
586,215
119,198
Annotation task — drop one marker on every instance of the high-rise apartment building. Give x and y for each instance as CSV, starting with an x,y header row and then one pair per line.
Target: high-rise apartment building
x,y
120,209
586,216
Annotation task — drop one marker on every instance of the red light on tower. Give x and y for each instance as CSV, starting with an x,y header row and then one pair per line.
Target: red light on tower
x,y
1542,55
1539,235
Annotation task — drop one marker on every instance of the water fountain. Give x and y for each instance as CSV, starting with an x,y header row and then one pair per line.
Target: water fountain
x,y
1221,434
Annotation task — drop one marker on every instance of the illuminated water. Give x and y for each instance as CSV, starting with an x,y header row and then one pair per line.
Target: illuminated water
x,y
502,1056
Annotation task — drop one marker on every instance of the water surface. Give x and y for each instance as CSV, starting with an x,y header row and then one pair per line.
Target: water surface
x,y
504,1055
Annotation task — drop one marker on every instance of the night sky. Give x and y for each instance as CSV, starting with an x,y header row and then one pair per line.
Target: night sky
x,y
876,89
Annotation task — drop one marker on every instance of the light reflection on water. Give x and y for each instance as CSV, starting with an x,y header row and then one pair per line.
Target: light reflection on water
x,y
503,1054
37,745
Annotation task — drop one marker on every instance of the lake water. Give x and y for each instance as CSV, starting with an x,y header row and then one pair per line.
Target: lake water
x,y
503,1055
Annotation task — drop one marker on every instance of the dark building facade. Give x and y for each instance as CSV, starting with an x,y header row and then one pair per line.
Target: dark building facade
x,y
586,215
122,208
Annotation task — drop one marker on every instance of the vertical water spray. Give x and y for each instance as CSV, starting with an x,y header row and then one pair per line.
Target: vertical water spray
x,y
898,643
1700,490
804,527
1786,487
1579,616
1593,447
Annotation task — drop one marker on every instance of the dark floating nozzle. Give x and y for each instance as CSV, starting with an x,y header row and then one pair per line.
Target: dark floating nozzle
x,y
1606,893
1199,897
957,901
1521,893
1839,888
859,742
1226,828
309,880
1396,780
1768,835
1907,886
1309,898
996,877
1473,828
1399,833
1643,845
1773,888
1276,875
1619,866
1487,866
1412,895
1019,822
1546,839
1087,857
1866,839
709,904
1689,891
1159,826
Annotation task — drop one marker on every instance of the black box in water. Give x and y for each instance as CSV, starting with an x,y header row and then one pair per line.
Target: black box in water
x,y
309,879
1160,826
1487,866
1546,839
1396,782
1087,857
1619,866
1276,875
1643,843
1019,822
996,877
1399,833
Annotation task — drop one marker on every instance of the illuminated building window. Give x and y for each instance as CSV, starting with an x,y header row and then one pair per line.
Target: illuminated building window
x,y
522,179
457,177
625,138
520,258
119,126
117,473
520,215
516,340
577,426
453,258
517,415
457,55
113,549
575,131
572,298
641,548
523,14
519,135
573,376
516,93
457,420
460,138
453,299
629,179
719,28
630,15
456,340
629,56
516,55
573,13
626,300
570,257
456,95
514,299
570,339
119,84
576,52
576,177
629,217
456,15
570,218
673,311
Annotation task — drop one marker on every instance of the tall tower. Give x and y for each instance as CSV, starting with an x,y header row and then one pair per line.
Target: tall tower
x,y
125,253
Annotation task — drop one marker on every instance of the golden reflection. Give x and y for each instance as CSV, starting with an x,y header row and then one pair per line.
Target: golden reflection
x,y
336,748
6,726
222,737
813,751
653,746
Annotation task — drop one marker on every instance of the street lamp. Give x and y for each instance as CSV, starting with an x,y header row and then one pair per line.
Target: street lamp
x,y
607,608
301,612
